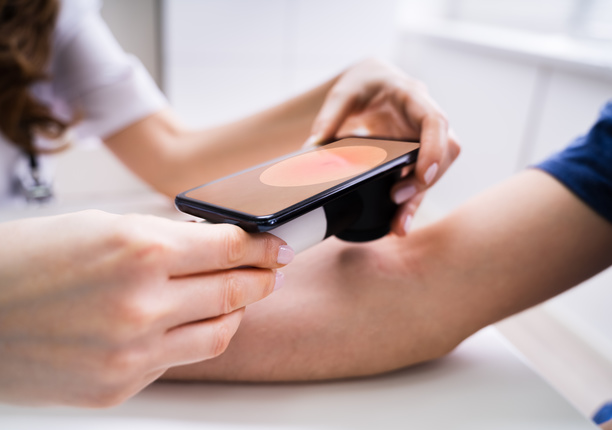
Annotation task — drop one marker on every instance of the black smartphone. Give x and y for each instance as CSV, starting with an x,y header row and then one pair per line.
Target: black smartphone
x,y
271,194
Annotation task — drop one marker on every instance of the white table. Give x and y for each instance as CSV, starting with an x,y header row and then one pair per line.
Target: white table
x,y
483,384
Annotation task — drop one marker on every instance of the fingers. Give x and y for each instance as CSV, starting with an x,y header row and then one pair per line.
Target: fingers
x,y
338,105
366,92
199,341
200,248
377,119
131,368
200,297
439,148
423,112
405,214
433,143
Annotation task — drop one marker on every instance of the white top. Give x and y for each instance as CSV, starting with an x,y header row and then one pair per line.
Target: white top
x,y
91,75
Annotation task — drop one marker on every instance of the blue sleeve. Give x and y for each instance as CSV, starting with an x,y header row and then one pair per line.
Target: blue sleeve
x,y
585,167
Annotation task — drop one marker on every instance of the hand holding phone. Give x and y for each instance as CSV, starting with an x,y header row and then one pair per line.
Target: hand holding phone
x,y
341,189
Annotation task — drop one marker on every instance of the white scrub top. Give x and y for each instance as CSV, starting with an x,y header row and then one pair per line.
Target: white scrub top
x,y
92,75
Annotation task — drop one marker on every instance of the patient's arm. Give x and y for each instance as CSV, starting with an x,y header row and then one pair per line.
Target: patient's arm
x,y
349,310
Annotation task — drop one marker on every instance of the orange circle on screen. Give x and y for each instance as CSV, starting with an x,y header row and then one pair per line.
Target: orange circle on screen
x,y
323,166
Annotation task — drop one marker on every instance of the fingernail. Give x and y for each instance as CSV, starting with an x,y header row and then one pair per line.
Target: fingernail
x,y
407,223
312,141
361,131
430,174
404,194
285,254
280,280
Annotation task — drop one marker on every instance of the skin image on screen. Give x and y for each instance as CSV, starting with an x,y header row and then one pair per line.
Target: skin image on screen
x,y
272,187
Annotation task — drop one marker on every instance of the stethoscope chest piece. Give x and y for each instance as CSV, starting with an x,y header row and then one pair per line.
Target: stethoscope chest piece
x,y
31,181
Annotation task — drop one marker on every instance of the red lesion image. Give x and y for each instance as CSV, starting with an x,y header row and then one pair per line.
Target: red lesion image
x,y
324,165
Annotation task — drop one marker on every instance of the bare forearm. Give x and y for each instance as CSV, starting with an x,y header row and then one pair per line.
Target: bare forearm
x,y
516,245
350,310
173,158
336,317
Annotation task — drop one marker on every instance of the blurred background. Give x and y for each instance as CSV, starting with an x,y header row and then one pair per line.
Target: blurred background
x,y
519,79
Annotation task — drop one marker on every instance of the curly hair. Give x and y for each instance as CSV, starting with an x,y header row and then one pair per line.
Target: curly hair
x,y
26,28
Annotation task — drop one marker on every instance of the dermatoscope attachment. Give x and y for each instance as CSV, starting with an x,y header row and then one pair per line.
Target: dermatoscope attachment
x,y
362,215
376,209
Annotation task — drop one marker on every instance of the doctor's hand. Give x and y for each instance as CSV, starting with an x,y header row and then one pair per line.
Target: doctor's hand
x,y
94,306
373,98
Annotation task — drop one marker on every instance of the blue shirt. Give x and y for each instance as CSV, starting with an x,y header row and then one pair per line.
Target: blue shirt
x,y
585,167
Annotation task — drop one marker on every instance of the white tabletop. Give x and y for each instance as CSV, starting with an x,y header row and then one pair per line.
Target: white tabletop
x,y
483,384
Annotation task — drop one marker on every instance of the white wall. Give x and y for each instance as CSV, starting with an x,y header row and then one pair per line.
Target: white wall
x,y
226,59
135,24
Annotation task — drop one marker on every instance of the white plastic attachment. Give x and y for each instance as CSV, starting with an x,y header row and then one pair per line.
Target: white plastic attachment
x,y
303,232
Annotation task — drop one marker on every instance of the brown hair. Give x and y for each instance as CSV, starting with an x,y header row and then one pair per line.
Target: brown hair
x,y
26,28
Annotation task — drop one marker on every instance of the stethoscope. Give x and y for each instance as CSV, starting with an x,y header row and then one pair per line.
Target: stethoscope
x,y
38,189
34,181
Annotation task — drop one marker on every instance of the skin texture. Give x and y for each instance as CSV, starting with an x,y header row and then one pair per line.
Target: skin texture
x,y
116,300
383,305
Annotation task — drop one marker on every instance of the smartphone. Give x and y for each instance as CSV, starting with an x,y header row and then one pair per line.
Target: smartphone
x,y
274,193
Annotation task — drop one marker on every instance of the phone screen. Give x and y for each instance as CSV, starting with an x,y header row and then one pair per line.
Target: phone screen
x,y
297,180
